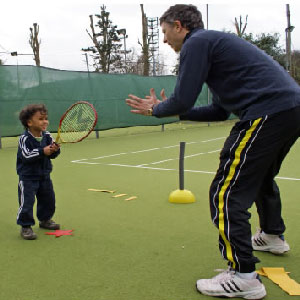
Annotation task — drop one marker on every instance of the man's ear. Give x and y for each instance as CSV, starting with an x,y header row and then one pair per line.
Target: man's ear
x,y
178,26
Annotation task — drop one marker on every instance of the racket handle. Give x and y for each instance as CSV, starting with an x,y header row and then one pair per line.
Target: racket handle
x,y
181,165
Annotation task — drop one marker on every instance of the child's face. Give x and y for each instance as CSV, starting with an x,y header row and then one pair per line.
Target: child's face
x,y
38,122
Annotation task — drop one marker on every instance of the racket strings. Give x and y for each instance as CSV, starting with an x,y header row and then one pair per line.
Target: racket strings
x,y
77,123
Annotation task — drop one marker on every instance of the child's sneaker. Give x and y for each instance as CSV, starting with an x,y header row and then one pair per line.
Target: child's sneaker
x,y
228,284
49,224
268,242
27,233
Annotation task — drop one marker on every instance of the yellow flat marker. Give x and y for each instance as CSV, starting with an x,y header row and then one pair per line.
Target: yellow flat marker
x,y
281,277
104,191
119,195
131,198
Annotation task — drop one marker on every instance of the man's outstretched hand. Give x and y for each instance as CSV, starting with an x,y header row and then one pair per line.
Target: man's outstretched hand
x,y
141,106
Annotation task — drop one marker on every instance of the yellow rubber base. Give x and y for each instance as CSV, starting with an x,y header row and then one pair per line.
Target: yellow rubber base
x,y
182,196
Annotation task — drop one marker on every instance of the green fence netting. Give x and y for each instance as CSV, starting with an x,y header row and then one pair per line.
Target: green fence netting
x,y
57,89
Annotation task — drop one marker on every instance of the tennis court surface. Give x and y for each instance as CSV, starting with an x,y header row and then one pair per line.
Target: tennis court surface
x,y
146,248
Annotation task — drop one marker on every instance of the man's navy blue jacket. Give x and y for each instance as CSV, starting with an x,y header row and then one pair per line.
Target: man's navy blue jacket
x,y
243,79
32,163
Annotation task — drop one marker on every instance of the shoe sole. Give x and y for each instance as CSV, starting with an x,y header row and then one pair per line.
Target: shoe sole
x,y
268,249
255,295
28,238
50,228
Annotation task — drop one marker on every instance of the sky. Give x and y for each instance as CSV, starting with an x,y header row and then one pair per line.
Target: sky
x,y
63,25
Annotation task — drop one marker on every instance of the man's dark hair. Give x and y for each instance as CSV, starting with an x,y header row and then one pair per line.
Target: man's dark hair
x,y
188,15
28,111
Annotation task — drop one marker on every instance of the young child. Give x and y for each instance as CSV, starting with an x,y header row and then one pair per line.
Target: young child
x,y
35,151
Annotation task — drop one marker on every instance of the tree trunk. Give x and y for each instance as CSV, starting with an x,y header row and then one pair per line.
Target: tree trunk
x,y
145,46
35,43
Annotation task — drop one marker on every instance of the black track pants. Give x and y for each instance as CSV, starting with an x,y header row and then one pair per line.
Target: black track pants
x,y
43,191
251,158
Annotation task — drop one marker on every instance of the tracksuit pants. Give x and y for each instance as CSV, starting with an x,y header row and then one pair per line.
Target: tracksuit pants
x,y
43,191
249,161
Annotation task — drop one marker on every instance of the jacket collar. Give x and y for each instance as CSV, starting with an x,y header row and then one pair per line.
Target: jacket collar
x,y
188,35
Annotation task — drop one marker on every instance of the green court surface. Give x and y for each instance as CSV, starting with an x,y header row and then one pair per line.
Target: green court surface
x,y
143,249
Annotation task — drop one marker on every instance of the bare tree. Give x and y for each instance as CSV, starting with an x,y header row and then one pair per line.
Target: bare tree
x,y
240,29
145,45
106,51
35,43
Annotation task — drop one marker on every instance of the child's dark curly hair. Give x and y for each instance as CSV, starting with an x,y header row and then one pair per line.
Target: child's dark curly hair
x,y
188,15
28,111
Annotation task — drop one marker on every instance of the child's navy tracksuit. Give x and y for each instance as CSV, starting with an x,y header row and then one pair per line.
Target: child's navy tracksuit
x,y
34,168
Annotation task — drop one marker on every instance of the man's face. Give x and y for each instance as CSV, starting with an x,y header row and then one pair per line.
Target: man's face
x,y
174,34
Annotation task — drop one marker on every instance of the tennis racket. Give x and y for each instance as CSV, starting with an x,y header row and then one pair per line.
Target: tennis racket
x,y
76,123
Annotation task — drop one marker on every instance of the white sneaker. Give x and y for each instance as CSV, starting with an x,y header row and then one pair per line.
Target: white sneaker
x,y
228,284
268,242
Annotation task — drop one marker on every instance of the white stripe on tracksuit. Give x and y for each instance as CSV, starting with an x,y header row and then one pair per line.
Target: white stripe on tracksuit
x,y
21,186
25,151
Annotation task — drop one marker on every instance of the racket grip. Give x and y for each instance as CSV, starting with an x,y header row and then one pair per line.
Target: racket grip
x,y
181,165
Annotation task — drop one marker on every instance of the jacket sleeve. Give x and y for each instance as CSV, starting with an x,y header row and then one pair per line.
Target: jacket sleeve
x,y
193,70
208,113
55,154
29,154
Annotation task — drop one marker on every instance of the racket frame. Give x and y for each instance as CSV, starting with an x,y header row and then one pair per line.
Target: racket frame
x,y
58,139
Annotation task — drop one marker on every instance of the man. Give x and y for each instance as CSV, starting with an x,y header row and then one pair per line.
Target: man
x,y
247,82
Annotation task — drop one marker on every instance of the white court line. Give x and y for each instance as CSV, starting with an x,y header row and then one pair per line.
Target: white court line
x,y
79,160
197,154
112,155
188,143
287,178
158,162
165,169
187,156
144,150
146,166
148,150
220,138
160,169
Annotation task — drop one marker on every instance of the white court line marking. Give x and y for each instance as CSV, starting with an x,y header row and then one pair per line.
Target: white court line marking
x,y
144,150
188,143
144,166
160,169
87,163
165,169
148,150
187,156
189,171
79,160
197,154
112,155
220,138
288,178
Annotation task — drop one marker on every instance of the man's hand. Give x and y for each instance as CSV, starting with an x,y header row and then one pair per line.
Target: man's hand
x,y
141,106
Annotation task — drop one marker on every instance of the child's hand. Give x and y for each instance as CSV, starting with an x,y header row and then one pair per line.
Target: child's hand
x,y
50,149
55,146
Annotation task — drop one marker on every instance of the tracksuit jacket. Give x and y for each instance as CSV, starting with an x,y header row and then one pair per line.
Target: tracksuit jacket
x,y
32,163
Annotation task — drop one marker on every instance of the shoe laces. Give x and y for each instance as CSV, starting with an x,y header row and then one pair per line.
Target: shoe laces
x,y
258,233
224,275
27,230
